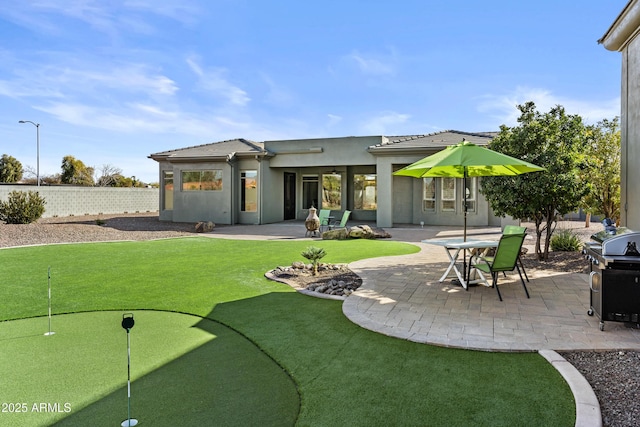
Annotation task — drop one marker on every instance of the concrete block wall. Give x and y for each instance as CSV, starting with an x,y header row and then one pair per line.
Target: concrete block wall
x,y
71,200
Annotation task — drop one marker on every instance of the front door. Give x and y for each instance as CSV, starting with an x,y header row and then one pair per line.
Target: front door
x,y
289,195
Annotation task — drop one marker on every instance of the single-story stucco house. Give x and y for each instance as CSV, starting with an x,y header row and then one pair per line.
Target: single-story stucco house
x,y
246,182
622,37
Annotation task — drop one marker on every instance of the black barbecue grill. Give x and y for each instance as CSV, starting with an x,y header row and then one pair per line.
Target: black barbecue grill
x,y
614,280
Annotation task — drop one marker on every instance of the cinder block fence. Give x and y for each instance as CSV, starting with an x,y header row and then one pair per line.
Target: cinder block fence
x,y
66,200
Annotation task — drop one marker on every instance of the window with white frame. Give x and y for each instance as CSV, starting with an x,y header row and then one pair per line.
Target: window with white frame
x,y
249,191
428,194
167,186
448,194
472,185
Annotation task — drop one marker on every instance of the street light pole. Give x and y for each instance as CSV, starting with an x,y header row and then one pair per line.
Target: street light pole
x,y
37,125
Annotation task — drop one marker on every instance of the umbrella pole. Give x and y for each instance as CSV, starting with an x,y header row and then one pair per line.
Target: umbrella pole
x,y
464,235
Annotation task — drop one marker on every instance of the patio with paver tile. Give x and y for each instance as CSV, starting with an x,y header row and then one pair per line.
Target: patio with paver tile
x,y
401,297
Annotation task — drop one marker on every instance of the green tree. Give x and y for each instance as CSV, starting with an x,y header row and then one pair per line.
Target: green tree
x,y
75,172
602,173
555,141
124,181
10,169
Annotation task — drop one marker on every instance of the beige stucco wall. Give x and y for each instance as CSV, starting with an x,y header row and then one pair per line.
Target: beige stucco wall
x,y
195,206
623,37
630,131
72,201
325,152
273,191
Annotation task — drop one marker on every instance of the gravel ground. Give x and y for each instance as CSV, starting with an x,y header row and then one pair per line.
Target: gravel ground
x,y
613,375
92,228
615,379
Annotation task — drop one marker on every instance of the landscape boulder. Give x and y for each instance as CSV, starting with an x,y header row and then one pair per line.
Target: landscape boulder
x,y
205,227
356,232
361,232
335,234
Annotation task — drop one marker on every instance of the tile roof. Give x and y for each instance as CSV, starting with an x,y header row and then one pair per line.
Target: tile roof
x,y
240,146
436,140
219,149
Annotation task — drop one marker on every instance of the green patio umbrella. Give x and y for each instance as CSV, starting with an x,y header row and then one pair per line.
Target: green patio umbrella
x,y
467,160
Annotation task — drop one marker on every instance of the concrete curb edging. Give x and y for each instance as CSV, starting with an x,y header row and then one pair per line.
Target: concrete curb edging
x,y
587,406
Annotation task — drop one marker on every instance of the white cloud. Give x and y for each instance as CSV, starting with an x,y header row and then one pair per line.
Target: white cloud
x,y
113,17
503,108
132,78
184,11
384,123
124,97
214,81
64,76
333,120
149,120
372,65
276,94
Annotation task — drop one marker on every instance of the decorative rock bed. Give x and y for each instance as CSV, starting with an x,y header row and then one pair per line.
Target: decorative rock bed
x,y
333,281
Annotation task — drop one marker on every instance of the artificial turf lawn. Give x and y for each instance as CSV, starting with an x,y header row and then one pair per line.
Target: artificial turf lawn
x,y
345,375
182,366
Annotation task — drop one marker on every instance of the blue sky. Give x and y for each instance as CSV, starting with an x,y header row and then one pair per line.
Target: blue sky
x,y
111,82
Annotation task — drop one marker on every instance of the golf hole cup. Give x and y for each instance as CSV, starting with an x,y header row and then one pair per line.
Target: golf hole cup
x,y
127,321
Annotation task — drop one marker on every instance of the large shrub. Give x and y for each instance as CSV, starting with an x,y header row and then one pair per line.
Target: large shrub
x,y
22,207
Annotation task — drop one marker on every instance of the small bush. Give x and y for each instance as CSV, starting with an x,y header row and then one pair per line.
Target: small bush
x,y
565,240
314,254
22,207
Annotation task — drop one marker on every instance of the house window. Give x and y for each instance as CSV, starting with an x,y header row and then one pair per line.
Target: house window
x,y
448,194
249,191
332,191
202,180
310,191
428,194
472,185
365,194
167,185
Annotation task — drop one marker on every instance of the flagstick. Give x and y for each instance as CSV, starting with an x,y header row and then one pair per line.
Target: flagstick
x,y
127,324
49,283
129,422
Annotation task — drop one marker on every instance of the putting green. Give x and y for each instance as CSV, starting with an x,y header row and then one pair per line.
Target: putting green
x,y
185,370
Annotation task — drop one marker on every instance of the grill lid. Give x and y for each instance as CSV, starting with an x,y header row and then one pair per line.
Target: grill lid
x,y
609,233
627,244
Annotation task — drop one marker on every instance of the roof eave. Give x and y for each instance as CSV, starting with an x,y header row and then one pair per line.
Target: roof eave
x,y
405,150
623,29
215,158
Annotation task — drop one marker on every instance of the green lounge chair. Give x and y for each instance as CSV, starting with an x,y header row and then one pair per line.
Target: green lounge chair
x,y
516,229
323,215
342,223
505,259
